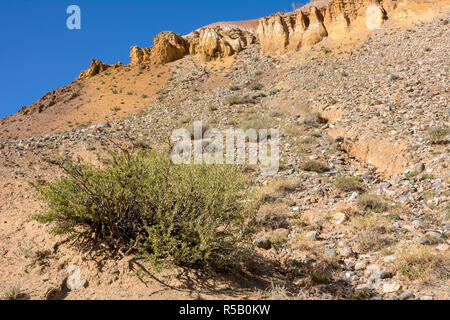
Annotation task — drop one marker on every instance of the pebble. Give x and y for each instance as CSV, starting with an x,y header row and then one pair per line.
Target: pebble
x,y
262,243
312,235
390,287
361,265
406,295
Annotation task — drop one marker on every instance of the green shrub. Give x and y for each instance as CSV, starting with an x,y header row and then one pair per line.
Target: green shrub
x,y
349,184
260,123
234,99
256,86
372,202
183,215
314,119
438,135
314,166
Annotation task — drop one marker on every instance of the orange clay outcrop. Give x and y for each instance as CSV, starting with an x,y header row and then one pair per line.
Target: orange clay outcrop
x,y
214,43
167,47
209,43
96,68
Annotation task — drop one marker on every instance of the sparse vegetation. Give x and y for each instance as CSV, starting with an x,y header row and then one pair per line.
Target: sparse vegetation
x,y
371,202
234,99
255,86
13,292
421,263
314,166
349,184
276,292
272,191
369,240
438,135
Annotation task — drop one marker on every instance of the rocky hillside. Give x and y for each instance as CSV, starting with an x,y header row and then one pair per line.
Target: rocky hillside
x,y
360,208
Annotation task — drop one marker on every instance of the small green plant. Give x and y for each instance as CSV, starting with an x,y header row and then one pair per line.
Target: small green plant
x,y
182,215
314,166
372,202
438,135
277,113
255,86
349,184
362,294
257,124
412,174
234,99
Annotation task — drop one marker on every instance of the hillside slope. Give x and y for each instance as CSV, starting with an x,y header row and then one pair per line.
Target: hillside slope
x,y
364,136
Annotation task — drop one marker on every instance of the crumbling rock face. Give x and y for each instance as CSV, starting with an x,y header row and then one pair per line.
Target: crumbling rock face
x,y
274,34
167,47
215,43
139,55
282,33
97,67
316,31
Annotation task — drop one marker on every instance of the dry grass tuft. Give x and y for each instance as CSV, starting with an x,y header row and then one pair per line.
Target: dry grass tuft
x,y
371,202
277,189
13,292
419,263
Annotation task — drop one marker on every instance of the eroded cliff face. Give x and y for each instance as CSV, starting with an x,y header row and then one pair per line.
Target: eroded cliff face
x,y
282,33
279,33
209,43
215,43
168,47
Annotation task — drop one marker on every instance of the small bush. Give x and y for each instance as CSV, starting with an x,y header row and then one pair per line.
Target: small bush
x,y
372,203
183,215
370,240
255,86
261,123
438,135
349,184
273,91
233,100
277,113
277,189
314,119
314,166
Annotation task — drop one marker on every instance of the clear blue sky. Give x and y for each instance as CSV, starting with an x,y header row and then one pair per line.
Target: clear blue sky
x,y
39,54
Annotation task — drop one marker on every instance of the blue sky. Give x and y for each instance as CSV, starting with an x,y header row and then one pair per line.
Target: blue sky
x,y
39,54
